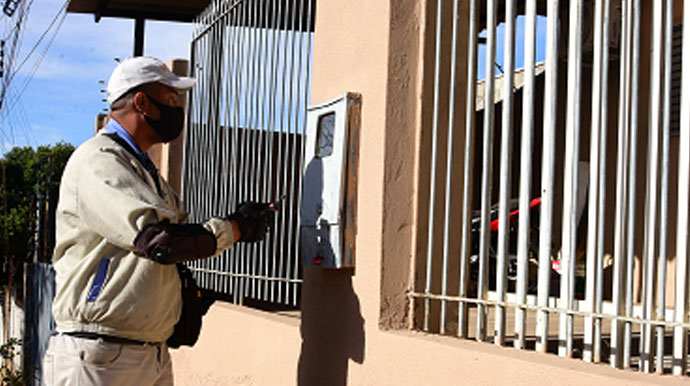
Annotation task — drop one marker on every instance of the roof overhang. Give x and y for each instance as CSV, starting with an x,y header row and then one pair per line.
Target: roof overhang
x,y
164,10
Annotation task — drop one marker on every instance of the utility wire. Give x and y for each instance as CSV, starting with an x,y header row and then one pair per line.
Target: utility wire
x,y
61,13
10,89
34,69
11,44
15,38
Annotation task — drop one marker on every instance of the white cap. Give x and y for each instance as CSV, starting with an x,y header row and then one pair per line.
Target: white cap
x,y
133,72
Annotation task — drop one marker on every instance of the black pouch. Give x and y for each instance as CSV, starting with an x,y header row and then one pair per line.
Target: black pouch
x,y
194,307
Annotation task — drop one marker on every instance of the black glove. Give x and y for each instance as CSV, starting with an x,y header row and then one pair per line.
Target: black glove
x,y
253,219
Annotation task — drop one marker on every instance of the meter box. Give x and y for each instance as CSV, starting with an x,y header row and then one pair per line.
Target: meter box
x,y
328,211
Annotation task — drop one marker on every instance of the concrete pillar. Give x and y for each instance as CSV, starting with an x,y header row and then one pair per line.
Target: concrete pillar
x,y
101,120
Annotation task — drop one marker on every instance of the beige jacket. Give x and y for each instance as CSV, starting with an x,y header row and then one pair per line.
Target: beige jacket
x,y
102,284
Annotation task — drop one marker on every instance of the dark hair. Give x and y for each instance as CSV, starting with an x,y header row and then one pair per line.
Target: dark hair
x,y
122,102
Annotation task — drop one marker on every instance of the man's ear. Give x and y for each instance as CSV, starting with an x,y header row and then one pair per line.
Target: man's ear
x,y
141,102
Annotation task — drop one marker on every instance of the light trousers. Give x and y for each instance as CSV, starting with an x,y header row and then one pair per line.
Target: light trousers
x,y
84,362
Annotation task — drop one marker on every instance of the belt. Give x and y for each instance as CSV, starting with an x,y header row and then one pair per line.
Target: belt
x,y
109,338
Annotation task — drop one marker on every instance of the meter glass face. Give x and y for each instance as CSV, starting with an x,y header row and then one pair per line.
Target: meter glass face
x,y
324,136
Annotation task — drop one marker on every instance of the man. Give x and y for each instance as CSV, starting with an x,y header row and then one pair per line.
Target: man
x,y
120,230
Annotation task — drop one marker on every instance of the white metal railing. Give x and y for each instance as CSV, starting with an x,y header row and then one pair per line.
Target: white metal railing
x,y
252,60
578,141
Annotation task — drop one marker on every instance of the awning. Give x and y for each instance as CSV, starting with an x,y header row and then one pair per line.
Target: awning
x,y
164,10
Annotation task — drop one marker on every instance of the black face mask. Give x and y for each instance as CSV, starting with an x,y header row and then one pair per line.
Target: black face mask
x,y
169,124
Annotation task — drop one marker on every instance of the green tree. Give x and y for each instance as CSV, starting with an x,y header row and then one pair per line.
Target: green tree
x,y
29,179
11,376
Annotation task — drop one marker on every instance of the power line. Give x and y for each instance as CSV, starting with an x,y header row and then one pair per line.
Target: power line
x,y
11,93
15,37
62,12
12,42
34,69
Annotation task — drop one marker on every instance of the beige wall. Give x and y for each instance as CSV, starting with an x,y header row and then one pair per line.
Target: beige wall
x,y
240,346
352,326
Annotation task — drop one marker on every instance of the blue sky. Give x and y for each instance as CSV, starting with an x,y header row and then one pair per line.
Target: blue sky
x,y
519,55
62,98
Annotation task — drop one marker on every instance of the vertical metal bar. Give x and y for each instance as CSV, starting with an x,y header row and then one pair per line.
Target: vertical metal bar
x,y
187,166
197,173
594,182
449,164
256,135
203,135
224,130
524,227
199,125
231,133
210,163
305,101
603,132
665,165
242,133
190,128
274,126
262,148
251,138
234,127
632,189
621,196
207,169
468,160
212,196
652,183
293,264
184,188
294,105
572,152
680,335
289,142
216,134
505,173
487,166
238,135
548,172
267,120
286,125
281,136
194,133
290,177
432,172
139,23
277,289
202,169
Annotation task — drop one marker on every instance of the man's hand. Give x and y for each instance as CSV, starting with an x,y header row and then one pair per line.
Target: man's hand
x,y
254,220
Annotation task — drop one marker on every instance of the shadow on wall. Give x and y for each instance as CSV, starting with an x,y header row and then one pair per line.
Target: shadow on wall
x,y
332,327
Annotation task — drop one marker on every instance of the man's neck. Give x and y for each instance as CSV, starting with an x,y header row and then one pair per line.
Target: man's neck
x,y
131,125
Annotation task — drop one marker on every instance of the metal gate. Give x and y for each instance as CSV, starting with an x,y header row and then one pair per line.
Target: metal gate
x,y
244,142
591,260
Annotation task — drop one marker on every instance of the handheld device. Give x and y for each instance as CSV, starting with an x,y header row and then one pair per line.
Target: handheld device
x,y
277,204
